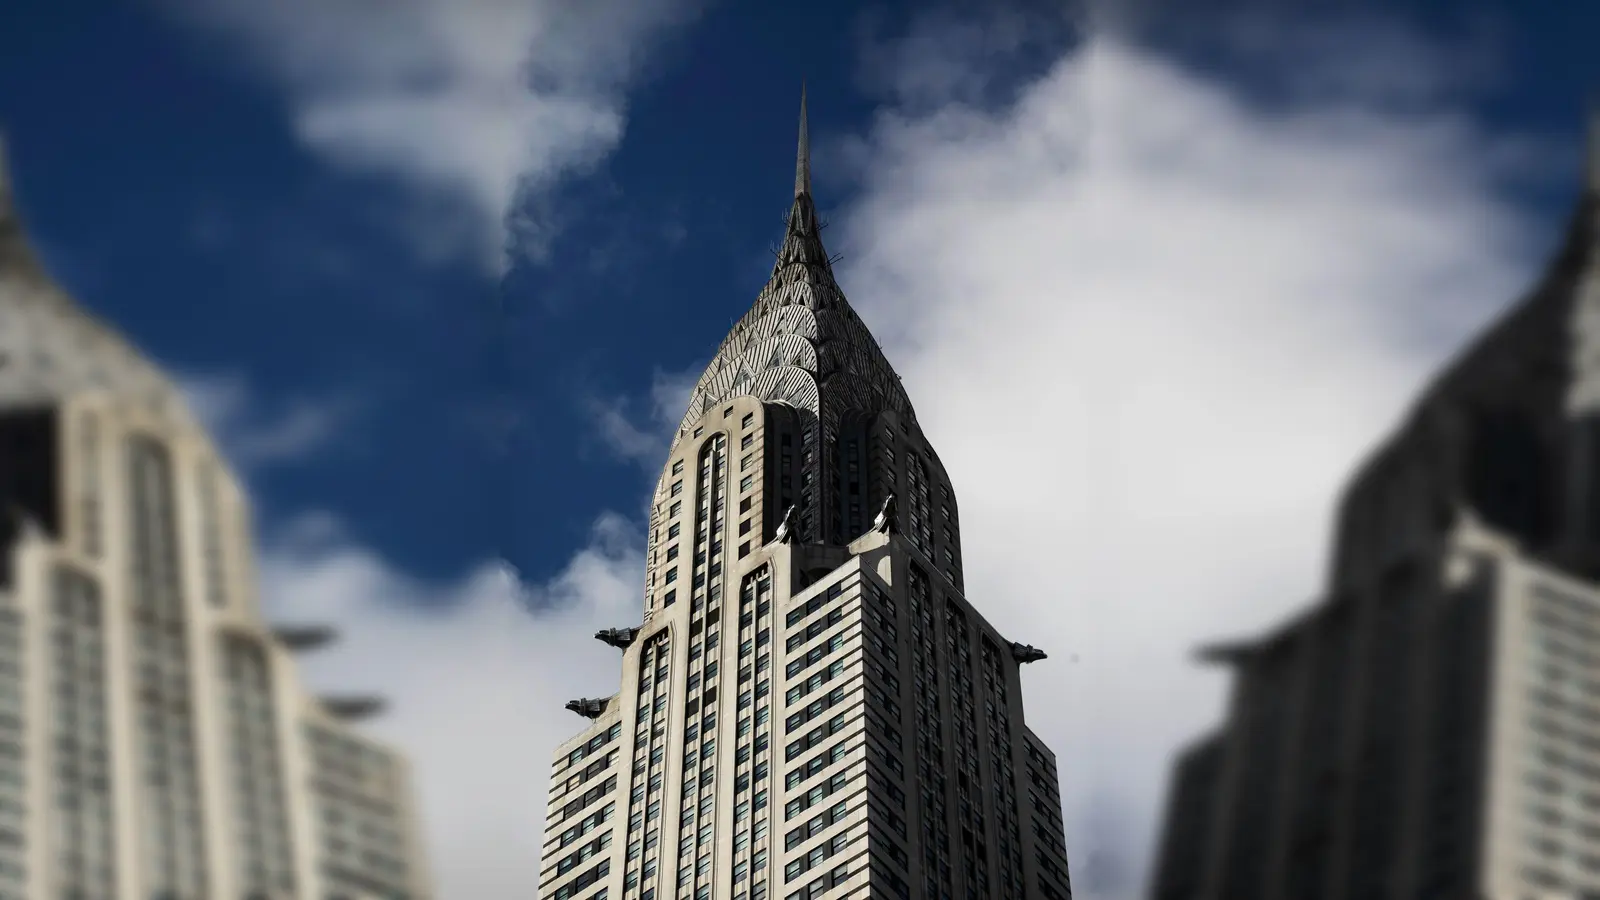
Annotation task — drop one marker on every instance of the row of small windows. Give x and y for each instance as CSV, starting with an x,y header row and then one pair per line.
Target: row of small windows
x,y
816,681
838,782
818,889
816,603
817,856
816,764
816,708
593,794
562,788
583,854
570,890
589,823
817,654
816,825
594,744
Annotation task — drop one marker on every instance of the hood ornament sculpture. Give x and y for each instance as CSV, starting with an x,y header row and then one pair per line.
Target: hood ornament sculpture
x,y
587,707
886,522
619,638
1024,653
785,533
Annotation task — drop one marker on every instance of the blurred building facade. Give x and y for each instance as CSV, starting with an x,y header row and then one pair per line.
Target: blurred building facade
x,y
811,708
155,741
1431,728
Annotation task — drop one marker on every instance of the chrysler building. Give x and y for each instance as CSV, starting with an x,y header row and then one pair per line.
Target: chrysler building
x,y
810,707
156,742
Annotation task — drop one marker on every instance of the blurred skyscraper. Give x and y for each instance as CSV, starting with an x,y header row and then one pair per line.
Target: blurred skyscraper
x,y
859,732
1431,728
155,742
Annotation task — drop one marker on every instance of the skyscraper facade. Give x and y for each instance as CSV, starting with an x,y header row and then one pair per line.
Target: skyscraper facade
x,y
155,741
1429,729
811,707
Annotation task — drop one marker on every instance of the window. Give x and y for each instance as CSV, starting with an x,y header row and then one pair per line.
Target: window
x,y
677,467
746,482
748,442
673,531
675,510
677,487
672,575
748,420
672,552
744,527
669,598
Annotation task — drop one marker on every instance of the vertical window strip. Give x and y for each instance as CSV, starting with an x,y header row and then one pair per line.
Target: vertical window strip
x,y
265,864
1001,776
752,832
172,829
91,529
810,481
83,805
931,762
655,682
921,530
962,696
216,569
706,593
13,763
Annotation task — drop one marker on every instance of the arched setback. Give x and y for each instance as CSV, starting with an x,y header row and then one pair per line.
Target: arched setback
x,y
744,513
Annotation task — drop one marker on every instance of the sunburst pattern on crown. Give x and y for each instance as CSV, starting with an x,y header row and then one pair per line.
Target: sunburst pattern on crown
x,y
803,346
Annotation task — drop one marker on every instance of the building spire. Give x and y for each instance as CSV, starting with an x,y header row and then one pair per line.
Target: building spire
x,y
802,163
6,211
5,180
1591,166
16,256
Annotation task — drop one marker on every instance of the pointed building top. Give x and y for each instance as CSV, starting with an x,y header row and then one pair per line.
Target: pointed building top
x,y
16,256
1591,167
5,178
802,163
67,350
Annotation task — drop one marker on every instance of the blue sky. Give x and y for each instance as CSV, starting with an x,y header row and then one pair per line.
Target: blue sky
x,y
168,189
1219,251
176,199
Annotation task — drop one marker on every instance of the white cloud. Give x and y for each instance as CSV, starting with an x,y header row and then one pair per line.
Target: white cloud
x,y
249,438
644,435
478,673
483,103
1151,328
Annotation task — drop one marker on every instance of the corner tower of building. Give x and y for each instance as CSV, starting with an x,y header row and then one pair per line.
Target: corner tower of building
x,y
1509,430
1427,729
155,738
811,707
